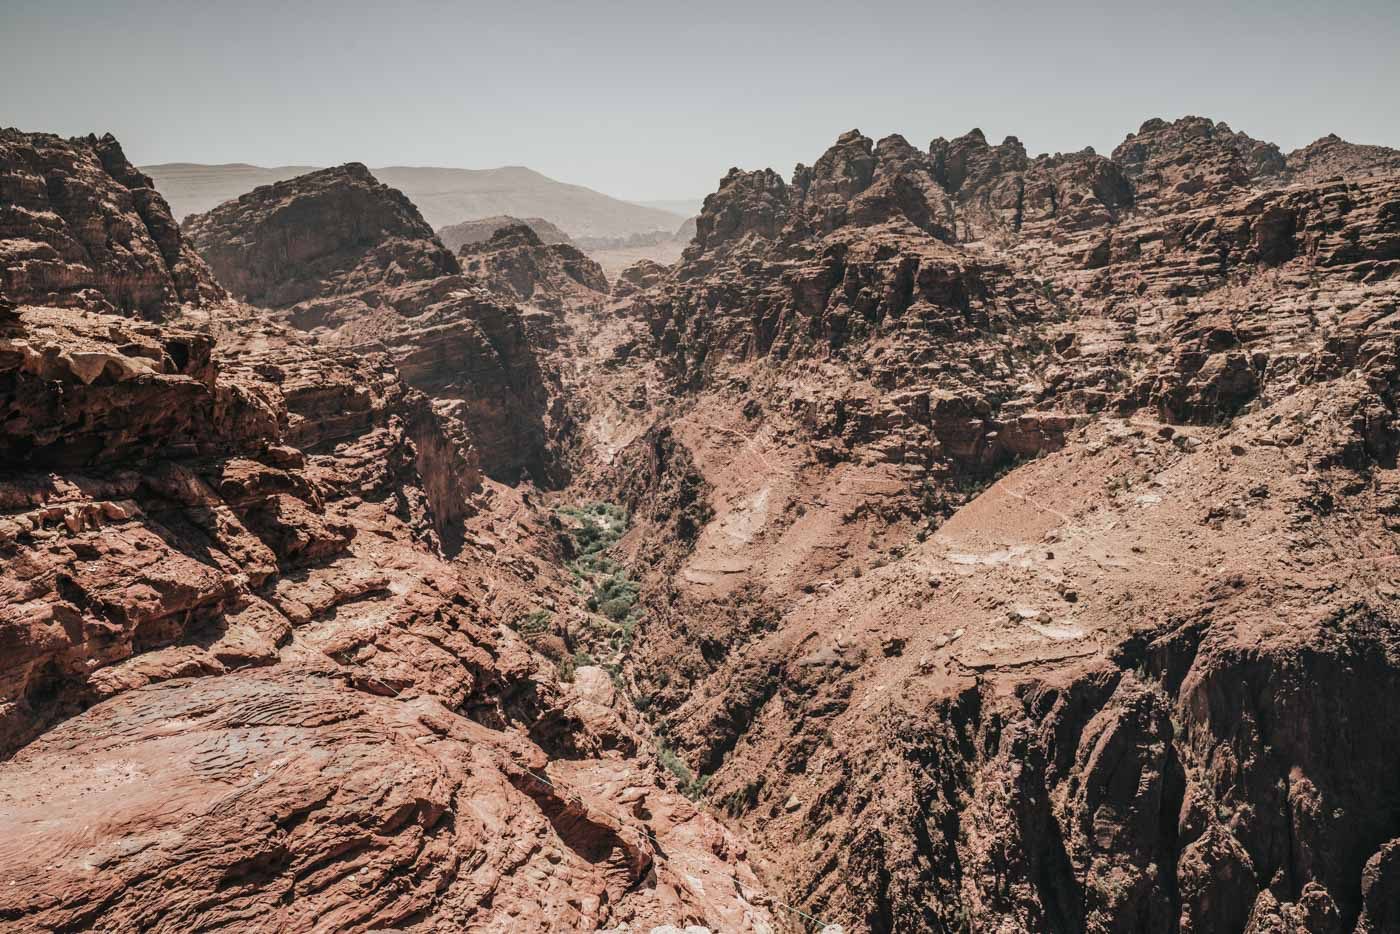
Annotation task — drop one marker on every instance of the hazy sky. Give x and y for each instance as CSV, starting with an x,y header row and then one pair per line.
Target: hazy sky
x,y
657,99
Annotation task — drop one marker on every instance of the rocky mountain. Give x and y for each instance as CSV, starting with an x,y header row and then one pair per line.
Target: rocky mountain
x,y
340,255
1331,156
456,236
444,196
80,227
951,539
517,264
261,662
1010,519
330,232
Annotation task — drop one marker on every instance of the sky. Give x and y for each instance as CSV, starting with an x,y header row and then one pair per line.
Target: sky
x,y
657,99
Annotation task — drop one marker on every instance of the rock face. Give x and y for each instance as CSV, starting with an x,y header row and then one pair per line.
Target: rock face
x,y
1332,156
288,800
349,260
80,227
82,390
954,539
244,684
456,236
1009,517
333,232
1194,156
517,264
642,274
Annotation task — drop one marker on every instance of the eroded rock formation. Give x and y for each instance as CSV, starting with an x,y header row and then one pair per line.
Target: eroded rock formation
x,y
981,541
80,227
456,236
242,686
349,260
516,264
1017,545
336,231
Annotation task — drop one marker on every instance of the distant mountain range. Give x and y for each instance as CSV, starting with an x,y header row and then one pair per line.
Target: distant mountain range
x,y
685,207
444,196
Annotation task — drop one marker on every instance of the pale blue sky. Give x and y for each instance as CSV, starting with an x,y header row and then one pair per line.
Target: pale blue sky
x,y
657,99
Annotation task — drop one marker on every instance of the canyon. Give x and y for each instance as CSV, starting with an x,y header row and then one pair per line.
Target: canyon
x,y
949,539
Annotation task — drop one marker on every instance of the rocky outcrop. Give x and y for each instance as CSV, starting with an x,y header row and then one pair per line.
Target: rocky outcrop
x,y
82,389
456,236
350,261
850,264
641,275
257,656
998,191
287,798
333,232
1333,157
746,203
1194,158
173,500
969,161
80,227
516,264
940,425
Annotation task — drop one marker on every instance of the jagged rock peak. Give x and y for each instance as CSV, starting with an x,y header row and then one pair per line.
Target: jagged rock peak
x,y
894,146
515,263
327,232
746,202
844,170
1332,156
1196,139
81,227
514,235
969,159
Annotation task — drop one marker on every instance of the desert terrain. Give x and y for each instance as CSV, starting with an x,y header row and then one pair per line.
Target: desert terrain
x,y
937,538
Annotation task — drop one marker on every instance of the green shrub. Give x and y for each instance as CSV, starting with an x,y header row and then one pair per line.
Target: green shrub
x,y
535,623
590,537
615,609
611,592
692,785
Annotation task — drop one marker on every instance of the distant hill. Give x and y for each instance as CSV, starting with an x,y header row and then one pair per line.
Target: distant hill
x,y
194,189
444,196
480,230
685,207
